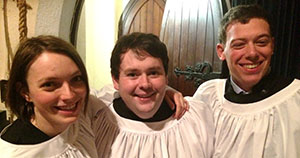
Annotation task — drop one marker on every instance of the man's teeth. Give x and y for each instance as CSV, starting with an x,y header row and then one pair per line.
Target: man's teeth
x,y
144,96
251,66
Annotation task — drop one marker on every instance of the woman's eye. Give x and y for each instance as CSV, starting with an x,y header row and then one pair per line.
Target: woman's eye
x,y
49,86
77,79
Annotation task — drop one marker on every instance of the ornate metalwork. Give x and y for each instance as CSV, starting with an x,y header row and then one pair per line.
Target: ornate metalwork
x,y
200,73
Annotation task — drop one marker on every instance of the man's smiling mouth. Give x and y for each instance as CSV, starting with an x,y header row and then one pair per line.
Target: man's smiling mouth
x,y
251,66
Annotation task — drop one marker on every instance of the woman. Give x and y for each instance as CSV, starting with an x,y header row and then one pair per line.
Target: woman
x,y
48,92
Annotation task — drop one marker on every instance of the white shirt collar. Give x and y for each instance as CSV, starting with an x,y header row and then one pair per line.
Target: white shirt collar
x,y
236,88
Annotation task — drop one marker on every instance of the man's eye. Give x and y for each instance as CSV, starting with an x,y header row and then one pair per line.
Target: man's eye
x,y
262,43
238,45
153,73
131,75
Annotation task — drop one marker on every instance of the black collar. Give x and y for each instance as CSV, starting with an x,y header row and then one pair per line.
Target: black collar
x,y
268,86
122,110
23,132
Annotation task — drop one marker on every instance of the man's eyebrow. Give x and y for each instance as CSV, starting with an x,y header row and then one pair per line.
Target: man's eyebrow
x,y
155,68
130,70
237,39
260,36
264,35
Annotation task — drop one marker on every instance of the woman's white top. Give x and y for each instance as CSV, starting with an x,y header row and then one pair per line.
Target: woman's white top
x,y
77,141
190,137
269,128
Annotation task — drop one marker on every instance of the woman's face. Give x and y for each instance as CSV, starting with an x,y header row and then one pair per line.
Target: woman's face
x,y
57,91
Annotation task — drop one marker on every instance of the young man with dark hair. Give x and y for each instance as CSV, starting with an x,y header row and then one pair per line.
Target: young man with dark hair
x,y
256,114
140,122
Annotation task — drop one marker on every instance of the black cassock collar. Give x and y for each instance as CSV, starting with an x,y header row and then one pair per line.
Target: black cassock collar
x,y
24,132
268,86
122,110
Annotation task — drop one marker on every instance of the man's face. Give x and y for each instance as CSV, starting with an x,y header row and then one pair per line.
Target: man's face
x,y
248,50
142,83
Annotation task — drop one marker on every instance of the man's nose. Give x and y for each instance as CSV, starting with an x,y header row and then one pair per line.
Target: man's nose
x,y
252,52
144,82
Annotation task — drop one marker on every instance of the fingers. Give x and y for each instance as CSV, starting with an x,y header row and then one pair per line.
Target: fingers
x,y
175,98
187,105
184,108
181,105
178,113
170,102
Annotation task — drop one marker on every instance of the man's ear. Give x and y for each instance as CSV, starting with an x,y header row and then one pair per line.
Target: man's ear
x,y
220,50
115,82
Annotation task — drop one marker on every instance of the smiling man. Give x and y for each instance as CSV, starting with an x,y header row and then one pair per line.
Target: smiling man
x,y
140,122
255,112
141,83
248,53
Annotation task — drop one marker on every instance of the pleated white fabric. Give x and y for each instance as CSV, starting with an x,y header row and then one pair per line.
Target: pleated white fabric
x,y
269,128
78,141
192,136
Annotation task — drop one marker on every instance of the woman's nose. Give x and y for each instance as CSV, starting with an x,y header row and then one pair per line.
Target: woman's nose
x,y
67,91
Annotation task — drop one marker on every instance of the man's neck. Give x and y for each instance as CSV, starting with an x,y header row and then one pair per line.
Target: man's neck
x,y
164,111
237,89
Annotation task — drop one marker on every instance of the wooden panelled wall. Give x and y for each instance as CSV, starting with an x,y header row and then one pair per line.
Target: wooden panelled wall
x,y
142,16
187,27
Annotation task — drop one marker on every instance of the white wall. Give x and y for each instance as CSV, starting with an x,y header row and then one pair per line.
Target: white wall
x,y
54,18
102,17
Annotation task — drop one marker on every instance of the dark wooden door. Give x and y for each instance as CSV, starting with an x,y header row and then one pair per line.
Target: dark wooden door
x,y
142,16
189,29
